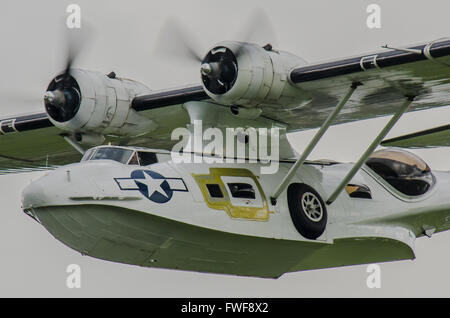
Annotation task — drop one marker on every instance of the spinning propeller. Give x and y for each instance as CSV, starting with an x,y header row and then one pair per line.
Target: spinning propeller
x,y
62,98
219,68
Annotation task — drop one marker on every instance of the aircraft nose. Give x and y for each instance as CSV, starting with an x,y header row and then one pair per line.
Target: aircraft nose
x,y
44,190
60,186
33,195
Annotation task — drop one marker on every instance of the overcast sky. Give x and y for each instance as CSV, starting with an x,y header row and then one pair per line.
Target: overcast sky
x,y
124,35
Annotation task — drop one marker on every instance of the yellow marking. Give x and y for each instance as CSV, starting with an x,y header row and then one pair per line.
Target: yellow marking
x,y
240,212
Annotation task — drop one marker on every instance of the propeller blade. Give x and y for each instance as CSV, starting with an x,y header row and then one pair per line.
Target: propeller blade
x,y
175,41
76,40
63,98
257,29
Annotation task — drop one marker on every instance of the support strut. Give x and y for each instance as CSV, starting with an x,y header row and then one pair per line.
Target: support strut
x,y
76,146
375,143
312,144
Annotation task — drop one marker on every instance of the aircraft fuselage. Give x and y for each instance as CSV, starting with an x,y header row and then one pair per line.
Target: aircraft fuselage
x,y
218,217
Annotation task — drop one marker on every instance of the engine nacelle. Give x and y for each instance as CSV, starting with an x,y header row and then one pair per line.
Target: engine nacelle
x,y
92,103
235,73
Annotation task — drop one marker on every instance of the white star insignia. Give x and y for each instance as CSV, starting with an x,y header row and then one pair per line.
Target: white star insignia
x,y
153,185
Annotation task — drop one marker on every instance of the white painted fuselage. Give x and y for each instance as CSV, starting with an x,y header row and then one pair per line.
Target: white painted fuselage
x,y
162,215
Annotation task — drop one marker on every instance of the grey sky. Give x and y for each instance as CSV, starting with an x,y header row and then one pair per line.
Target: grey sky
x,y
124,35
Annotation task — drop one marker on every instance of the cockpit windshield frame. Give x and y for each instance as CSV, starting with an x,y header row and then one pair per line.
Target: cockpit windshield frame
x,y
119,154
124,155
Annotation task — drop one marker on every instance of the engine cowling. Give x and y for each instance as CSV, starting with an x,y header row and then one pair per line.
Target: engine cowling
x,y
92,103
235,73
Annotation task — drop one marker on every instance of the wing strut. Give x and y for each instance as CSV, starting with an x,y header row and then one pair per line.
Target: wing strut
x,y
371,148
312,144
76,146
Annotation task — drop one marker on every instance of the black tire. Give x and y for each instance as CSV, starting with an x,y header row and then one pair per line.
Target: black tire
x,y
309,224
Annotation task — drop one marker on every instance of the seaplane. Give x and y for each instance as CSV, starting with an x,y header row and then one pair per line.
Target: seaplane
x,y
119,187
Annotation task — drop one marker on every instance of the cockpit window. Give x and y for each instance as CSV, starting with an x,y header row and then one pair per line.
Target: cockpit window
x,y
403,170
147,158
112,153
134,160
88,154
122,155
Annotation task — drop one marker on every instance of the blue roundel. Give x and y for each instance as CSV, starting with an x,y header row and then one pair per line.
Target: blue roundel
x,y
152,185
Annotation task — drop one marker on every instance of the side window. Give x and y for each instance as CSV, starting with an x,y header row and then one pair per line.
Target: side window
x,y
214,191
403,170
147,158
242,190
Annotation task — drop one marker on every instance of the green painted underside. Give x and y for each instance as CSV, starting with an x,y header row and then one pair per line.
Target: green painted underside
x,y
132,237
35,148
438,137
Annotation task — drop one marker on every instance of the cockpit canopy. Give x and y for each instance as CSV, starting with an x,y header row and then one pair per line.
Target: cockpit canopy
x,y
403,170
125,155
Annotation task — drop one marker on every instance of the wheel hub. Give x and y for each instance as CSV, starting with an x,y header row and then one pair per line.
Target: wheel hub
x,y
312,206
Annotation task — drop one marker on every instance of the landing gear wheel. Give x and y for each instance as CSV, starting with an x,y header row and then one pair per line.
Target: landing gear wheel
x,y
307,209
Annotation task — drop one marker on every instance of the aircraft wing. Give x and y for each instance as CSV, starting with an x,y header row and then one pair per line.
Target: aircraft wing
x,y
422,71
31,142
387,77
435,137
